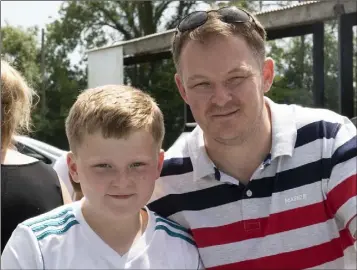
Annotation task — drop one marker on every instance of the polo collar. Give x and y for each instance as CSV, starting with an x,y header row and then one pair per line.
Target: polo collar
x,y
284,134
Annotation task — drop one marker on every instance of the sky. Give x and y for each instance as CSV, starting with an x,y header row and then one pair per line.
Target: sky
x,y
32,13
29,13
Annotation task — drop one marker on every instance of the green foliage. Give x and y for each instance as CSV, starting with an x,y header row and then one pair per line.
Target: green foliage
x,y
19,47
83,25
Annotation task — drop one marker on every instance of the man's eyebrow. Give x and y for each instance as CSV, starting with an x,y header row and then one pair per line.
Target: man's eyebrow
x,y
240,69
196,77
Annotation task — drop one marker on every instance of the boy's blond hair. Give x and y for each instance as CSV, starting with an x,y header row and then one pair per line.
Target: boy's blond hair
x,y
115,111
16,104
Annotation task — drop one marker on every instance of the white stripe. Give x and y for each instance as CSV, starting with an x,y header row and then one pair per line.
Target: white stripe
x,y
305,116
341,172
350,258
346,133
347,262
308,153
184,183
253,208
270,245
297,197
348,210
335,264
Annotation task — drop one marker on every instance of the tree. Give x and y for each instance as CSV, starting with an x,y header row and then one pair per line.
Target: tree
x,y
89,24
20,48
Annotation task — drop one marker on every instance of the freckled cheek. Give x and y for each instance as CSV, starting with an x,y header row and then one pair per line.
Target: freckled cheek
x,y
97,182
147,176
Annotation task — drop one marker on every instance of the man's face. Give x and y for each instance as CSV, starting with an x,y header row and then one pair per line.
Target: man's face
x,y
223,83
117,176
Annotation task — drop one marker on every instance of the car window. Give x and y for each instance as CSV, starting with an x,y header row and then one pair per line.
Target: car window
x,y
23,149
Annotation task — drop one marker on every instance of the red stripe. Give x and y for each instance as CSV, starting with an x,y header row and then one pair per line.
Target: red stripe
x,y
342,193
298,259
346,239
254,228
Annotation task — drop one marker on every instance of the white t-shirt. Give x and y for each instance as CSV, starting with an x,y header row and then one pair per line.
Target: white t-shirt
x,y
62,239
61,168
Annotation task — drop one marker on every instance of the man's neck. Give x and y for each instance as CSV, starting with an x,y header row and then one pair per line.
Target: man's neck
x,y
119,233
242,159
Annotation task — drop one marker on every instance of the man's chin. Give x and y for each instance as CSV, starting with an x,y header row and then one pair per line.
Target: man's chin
x,y
228,137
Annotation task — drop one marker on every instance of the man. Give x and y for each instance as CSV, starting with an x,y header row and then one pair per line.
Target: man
x,y
260,184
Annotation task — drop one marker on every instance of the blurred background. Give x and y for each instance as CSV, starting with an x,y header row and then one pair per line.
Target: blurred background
x,y
48,42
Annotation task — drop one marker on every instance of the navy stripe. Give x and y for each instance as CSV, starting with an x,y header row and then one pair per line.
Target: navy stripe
x,y
173,234
176,166
227,193
57,232
315,131
197,200
345,152
49,223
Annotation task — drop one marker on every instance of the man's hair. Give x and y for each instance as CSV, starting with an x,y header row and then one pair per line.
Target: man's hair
x,y
253,33
115,111
16,104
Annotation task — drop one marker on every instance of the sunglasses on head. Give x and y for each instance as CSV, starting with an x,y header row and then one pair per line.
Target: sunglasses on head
x,y
226,14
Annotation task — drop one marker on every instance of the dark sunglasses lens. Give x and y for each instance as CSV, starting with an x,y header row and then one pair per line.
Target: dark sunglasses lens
x,y
233,14
192,21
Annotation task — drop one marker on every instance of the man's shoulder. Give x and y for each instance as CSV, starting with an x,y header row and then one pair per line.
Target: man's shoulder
x,y
55,223
307,115
177,159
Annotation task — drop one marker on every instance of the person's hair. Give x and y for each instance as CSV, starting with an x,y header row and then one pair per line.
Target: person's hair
x,y
116,111
16,104
253,33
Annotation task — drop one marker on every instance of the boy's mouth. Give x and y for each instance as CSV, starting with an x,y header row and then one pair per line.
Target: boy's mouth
x,y
122,196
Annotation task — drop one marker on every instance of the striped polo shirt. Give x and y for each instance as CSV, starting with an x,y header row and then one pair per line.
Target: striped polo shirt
x,y
298,210
62,239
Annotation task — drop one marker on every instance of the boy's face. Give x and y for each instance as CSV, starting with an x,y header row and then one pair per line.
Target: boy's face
x,y
117,176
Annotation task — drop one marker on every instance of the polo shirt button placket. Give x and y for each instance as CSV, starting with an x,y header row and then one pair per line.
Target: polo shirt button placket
x,y
250,226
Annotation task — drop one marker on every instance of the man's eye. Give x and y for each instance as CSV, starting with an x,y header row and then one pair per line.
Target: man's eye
x,y
136,164
202,84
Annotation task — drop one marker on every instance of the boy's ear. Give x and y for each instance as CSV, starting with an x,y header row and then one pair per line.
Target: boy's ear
x,y
72,167
161,161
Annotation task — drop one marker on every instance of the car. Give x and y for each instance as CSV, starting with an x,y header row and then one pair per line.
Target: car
x,y
354,120
38,149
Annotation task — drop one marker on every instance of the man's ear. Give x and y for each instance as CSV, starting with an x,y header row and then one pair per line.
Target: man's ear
x,y
160,161
72,167
268,74
180,87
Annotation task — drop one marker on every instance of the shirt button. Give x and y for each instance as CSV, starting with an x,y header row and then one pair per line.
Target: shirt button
x,y
249,193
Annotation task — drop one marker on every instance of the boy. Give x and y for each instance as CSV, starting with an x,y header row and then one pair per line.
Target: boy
x,y
115,135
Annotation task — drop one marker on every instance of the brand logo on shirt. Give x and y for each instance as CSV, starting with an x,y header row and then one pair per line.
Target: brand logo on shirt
x,y
296,198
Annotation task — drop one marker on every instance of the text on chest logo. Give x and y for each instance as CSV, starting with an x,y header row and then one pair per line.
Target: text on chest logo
x,y
296,198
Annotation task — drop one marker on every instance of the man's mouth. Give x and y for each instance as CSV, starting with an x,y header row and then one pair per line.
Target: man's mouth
x,y
225,114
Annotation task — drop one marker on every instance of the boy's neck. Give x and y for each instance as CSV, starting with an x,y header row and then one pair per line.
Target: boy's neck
x,y
119,233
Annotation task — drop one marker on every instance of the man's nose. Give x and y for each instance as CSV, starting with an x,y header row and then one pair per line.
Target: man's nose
x,y
221,96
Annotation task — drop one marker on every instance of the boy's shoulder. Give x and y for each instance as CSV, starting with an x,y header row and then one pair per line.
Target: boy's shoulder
x,y
56,222
172,231
168,234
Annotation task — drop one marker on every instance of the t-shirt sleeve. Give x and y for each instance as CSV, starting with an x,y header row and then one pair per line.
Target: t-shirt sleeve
x,y
342,184
22,251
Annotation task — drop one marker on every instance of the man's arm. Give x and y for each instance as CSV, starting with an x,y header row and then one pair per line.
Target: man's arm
x,y
342,185
22,251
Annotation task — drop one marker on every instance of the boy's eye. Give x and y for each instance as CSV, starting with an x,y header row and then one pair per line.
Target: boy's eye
x,y
104,165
